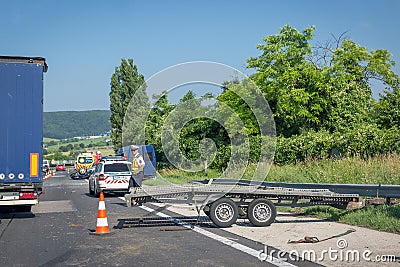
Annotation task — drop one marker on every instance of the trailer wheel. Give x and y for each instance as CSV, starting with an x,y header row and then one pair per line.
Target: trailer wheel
x,y
223,212
261,212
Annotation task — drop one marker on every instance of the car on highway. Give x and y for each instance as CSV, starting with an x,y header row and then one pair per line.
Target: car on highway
x,y
60,167
110,175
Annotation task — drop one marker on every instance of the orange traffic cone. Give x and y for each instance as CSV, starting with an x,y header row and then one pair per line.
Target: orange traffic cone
x,y
102,224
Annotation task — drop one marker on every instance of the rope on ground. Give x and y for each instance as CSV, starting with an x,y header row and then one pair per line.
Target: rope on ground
x,y
314,239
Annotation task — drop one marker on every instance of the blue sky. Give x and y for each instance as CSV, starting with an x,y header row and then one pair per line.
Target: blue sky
x,y
83,41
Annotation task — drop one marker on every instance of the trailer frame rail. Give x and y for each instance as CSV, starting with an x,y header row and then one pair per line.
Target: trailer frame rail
x,y
225,203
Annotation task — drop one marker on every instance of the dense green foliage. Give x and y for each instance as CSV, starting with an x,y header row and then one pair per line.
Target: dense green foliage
x,y
387,110
154,124
321,97
125,81
366,141
307,91
193,132
68,124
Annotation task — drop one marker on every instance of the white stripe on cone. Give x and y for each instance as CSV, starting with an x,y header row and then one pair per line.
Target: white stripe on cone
x,y
102,222
102,206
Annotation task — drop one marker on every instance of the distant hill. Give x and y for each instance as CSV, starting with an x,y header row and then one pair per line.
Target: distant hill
x,y
67,124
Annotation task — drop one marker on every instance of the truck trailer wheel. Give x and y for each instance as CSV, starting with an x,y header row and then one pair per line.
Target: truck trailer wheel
x,y
261,212
223,212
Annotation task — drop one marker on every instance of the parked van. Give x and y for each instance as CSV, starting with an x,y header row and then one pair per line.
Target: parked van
x,y
149,156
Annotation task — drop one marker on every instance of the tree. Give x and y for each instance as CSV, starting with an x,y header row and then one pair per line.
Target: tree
x,y
248,121
159,112
124,83
325,89
351,71
184,133
387,110
294,87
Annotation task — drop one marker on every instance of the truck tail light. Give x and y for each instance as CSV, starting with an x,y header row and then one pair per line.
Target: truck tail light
x,y
102,177
27,195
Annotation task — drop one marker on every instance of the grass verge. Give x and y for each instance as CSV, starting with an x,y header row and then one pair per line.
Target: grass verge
x,y
377,170
382,218
175,176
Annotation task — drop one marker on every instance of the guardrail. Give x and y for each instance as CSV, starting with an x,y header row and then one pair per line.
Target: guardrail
x,y
369,190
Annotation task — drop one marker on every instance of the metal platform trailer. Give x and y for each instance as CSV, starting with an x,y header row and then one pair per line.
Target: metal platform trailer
x,y
224,204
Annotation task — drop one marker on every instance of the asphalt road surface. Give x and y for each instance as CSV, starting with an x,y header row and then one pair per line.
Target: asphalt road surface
x,y
59,230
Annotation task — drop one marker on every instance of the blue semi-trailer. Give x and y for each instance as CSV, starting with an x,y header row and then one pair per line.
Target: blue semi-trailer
x,y
21,130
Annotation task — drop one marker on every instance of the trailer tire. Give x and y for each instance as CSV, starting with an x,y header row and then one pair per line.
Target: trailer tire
x,y
261,212
223,212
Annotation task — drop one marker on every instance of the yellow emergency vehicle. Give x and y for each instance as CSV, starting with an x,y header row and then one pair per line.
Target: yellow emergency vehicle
x,y
83,165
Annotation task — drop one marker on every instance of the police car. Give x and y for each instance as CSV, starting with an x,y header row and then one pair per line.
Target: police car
x,y
112,174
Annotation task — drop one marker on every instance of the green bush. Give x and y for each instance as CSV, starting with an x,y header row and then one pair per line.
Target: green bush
x,y
364,141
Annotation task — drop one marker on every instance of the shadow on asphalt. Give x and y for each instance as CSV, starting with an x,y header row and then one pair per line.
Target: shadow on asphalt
x,y
15,213
122,204
89,195
106,195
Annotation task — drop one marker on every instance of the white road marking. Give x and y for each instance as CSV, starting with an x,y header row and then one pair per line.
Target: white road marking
x,y
224,240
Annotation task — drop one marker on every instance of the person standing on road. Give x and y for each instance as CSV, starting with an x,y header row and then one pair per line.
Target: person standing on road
x,y
97,157
137,168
